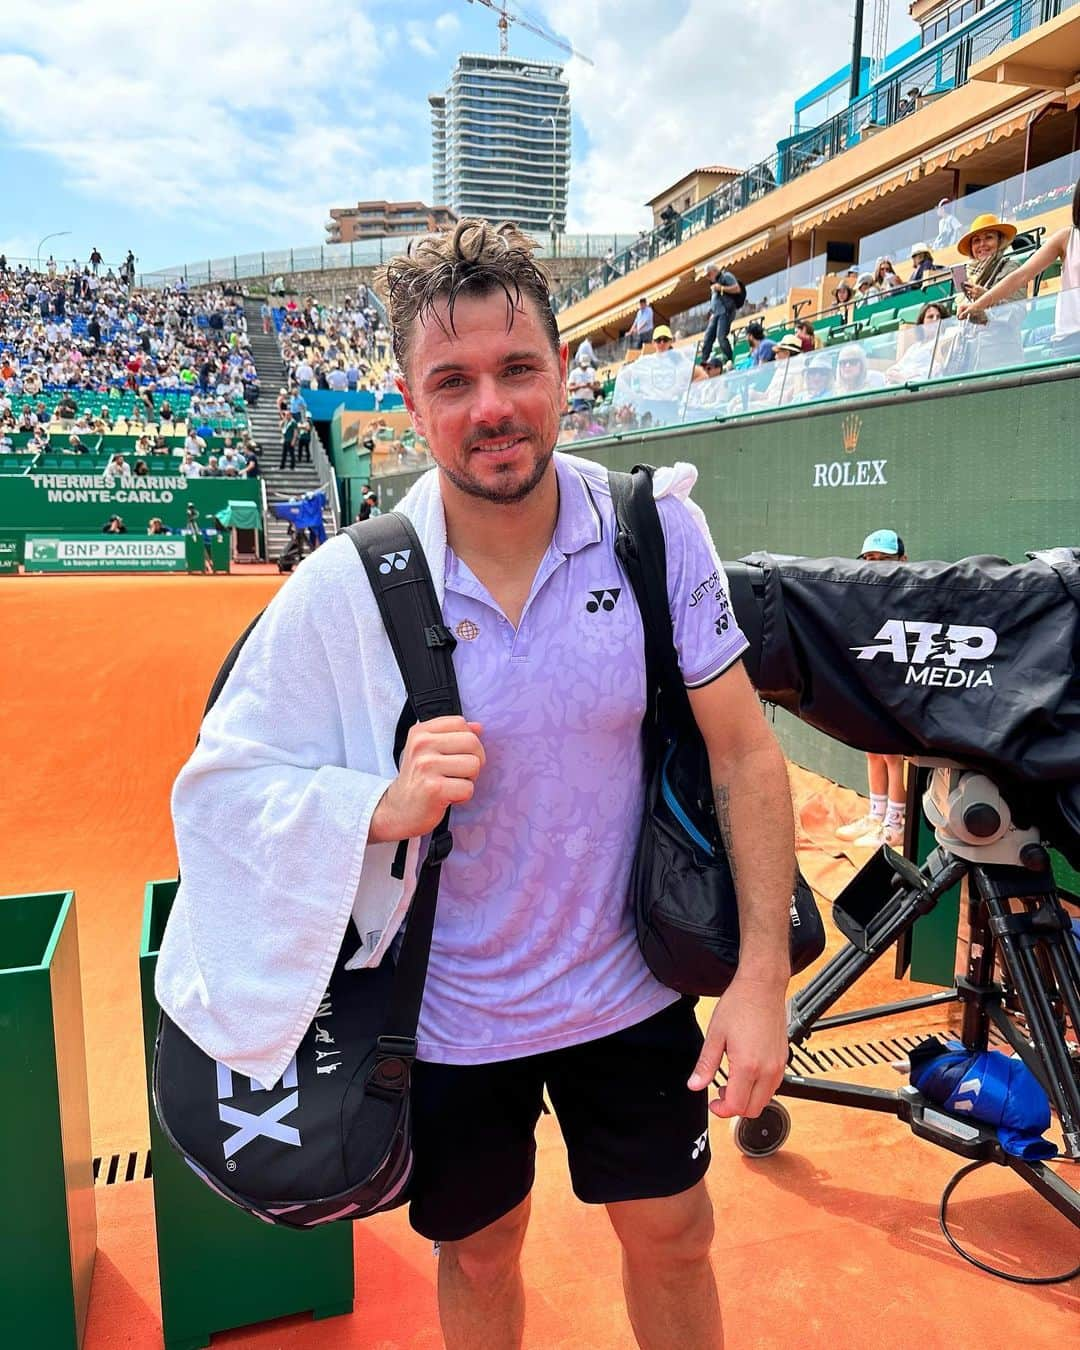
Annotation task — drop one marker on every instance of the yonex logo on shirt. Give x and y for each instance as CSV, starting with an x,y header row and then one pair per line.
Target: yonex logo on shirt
x,y
606,600
396,562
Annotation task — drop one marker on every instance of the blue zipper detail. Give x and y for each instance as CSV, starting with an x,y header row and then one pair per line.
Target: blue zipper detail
x,y
677,811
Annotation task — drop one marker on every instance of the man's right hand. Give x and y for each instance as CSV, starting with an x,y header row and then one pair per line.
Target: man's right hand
x,y
439,766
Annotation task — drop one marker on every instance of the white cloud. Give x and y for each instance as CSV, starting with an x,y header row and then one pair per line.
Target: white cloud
x,y
690,83
254,116
241,116
417,35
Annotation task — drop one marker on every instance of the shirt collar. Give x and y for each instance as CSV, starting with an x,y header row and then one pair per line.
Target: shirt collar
x,y
578,523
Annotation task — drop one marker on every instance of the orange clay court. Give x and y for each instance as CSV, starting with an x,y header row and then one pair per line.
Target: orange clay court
x,y
833,1242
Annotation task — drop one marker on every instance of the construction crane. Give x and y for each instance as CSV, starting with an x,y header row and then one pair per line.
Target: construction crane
x,y
507,17
879,43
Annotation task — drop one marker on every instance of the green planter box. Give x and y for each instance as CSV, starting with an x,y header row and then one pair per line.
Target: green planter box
x,y
48,1236
218,1267
196,552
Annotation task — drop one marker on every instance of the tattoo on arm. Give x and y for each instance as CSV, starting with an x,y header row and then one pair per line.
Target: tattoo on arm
x,y
722,801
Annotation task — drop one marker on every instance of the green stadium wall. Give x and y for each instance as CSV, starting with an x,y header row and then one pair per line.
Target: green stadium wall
x,y
58,503
957,470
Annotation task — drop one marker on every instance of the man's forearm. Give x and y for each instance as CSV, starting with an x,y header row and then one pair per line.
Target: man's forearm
x,y
753,808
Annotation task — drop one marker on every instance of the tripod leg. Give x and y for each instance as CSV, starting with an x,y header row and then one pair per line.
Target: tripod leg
x,y
975,1026
1018,945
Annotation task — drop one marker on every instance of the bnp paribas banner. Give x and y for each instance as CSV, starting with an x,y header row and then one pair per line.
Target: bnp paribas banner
x,y
105,553
45,504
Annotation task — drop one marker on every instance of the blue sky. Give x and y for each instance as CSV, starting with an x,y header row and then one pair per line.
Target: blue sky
x,y
204,130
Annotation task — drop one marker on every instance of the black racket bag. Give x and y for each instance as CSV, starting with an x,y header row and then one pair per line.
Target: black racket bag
x,y
332,1139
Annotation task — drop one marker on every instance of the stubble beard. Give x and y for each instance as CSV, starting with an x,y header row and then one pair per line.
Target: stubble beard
x,y
506,493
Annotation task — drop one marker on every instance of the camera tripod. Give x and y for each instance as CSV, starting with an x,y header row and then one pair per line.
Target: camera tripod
x,y
1022,976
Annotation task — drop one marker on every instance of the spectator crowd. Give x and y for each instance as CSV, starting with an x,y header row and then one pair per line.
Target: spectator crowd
x,y
153,359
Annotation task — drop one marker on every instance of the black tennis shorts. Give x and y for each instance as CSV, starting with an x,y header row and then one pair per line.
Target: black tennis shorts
x,y
633,1129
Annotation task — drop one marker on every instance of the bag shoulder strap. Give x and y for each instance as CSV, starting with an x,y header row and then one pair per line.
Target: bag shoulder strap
x,y
641,549
397,569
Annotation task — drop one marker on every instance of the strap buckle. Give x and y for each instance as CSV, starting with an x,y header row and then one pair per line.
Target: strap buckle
x,y
438,635
396,1047
440,848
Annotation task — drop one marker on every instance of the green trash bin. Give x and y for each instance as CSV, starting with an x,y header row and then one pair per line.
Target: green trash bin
x,y
219,1268
48,1235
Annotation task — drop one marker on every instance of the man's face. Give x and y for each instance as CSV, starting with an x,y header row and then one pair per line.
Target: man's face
x,y
486,399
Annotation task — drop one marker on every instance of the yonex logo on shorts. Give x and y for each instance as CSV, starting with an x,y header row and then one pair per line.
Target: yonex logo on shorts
x,y
394,562
701,1143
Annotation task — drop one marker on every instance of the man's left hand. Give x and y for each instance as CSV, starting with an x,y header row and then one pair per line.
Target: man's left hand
x,y
749,1025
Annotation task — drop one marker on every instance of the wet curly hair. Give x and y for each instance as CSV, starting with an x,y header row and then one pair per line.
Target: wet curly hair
x,y
475,258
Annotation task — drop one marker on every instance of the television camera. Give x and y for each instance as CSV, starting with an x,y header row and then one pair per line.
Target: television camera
x,y
969,670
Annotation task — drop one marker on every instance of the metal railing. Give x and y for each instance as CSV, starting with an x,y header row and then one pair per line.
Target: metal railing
x,y
359,253
934,71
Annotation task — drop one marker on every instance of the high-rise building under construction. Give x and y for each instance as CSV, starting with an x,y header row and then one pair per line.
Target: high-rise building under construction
x,y
501,141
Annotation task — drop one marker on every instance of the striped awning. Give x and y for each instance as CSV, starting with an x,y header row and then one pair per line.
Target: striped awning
x,y
858,197
618,314
737,253
974,140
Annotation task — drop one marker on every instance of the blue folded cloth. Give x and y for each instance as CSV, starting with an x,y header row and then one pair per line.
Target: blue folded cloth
x,y
999,1090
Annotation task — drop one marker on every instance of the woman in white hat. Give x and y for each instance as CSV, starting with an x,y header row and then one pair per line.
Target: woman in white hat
x,y
924,265
1063,244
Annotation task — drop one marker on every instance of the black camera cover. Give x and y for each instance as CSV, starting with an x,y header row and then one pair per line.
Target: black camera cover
x,y
973,661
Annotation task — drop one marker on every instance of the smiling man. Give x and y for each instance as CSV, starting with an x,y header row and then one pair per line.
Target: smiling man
x,y
535,981
535,978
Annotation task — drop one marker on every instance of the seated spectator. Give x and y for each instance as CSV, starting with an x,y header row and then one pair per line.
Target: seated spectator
x,y
919,357
142,469
212,469
817,378
114,525
780,389
923,260
865,289
853,374
157,526
117,467
761,349
189,466
885,277
76,446
804,331
842,298
231,460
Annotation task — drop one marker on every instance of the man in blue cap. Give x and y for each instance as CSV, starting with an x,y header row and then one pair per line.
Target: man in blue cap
x,y
884,823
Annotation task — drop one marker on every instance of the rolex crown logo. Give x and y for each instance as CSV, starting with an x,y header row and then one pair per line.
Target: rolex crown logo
x,y
850,428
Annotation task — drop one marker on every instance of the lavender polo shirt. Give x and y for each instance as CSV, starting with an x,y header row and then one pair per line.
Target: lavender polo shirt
x,y
534,946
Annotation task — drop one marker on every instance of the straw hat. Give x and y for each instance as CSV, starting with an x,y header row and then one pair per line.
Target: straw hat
x,y
988,221
789,344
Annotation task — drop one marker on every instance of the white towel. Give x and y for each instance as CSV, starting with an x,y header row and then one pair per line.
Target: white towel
x,y
272,810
